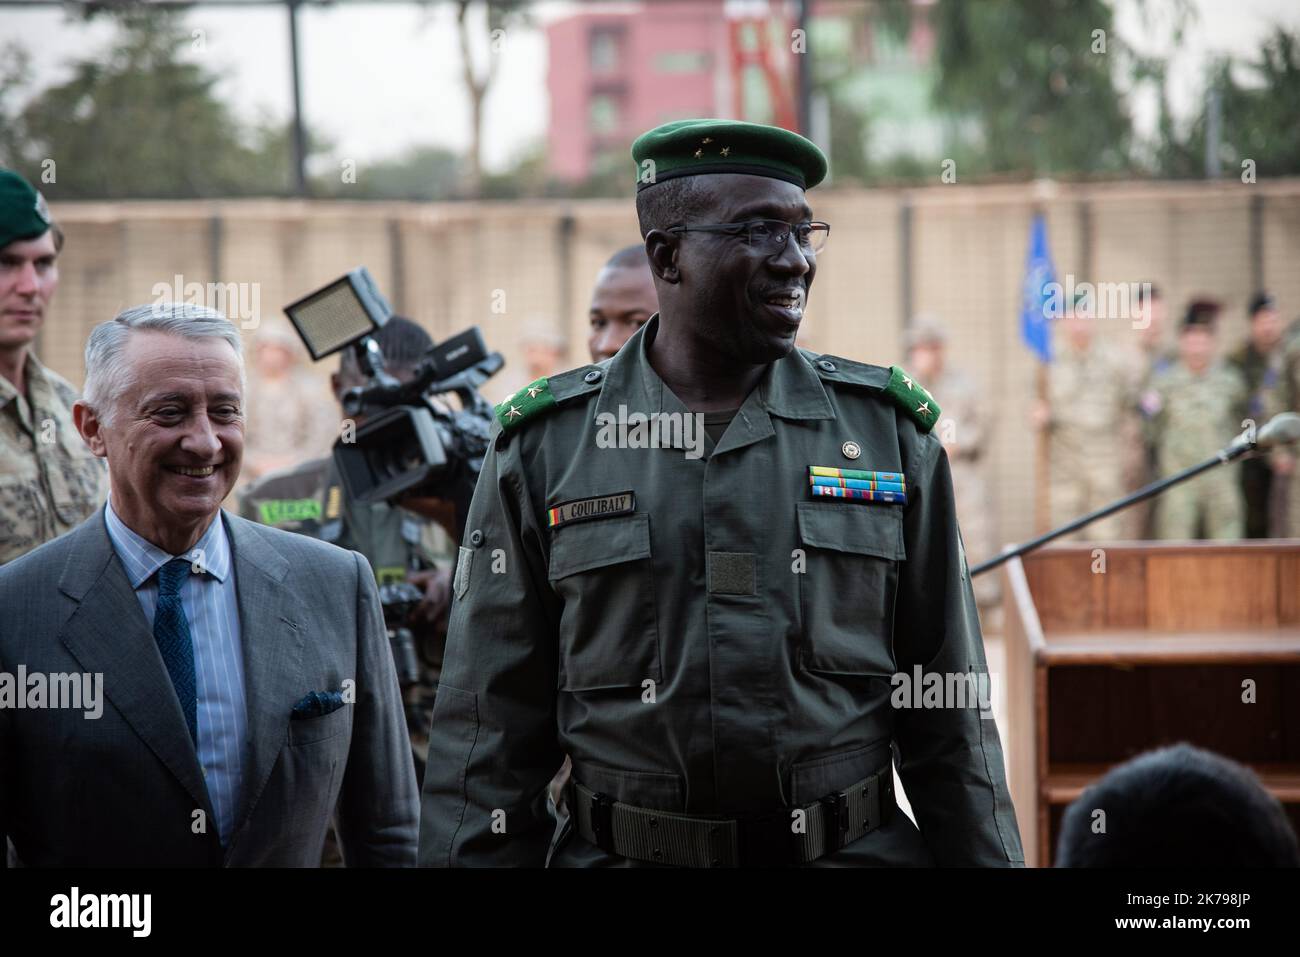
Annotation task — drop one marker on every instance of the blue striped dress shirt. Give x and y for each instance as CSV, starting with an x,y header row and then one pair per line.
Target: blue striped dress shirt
x,y
212,609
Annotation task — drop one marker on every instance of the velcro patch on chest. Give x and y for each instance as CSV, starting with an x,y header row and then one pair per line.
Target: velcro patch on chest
x,y
860,485
599,506
280,510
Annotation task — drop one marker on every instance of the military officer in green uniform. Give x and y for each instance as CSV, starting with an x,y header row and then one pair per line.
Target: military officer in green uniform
x,y
310,498
701,567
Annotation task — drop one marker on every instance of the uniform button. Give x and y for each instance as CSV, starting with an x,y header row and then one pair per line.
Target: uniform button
x,y
476,538
827,365
654,822
592,376
658,854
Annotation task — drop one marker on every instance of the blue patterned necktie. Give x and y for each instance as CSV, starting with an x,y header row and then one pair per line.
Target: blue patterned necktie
x,y
172,632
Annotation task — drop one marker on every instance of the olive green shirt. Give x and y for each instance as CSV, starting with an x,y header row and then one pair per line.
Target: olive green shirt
x,y
310,499
726,646
50,482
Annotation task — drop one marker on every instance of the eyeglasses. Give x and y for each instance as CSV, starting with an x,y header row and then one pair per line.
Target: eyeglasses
x,y
768,235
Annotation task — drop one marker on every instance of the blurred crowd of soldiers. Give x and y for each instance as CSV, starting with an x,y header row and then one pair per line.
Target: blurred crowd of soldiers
x,y
1115,420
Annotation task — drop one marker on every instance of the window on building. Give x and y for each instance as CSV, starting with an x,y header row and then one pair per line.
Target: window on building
x,y
682,61
605,44
604,114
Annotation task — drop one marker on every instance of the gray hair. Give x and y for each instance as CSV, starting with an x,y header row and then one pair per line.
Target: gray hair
x,y
108,377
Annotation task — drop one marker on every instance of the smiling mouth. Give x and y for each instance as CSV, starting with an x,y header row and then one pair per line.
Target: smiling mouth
x,y
203,472
791,304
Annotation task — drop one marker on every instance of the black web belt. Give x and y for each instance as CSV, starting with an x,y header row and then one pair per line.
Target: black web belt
x,y
781,839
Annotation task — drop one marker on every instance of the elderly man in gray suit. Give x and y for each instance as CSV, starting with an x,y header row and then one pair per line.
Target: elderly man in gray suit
x,y
248,690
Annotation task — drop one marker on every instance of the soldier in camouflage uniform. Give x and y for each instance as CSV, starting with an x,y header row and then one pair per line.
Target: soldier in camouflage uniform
x,y
49,481
1258,361
1153,357
963,432
1199,401
1091,394
1287,399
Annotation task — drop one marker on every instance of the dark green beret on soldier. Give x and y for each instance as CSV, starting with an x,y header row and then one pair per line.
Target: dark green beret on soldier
x,y
714,570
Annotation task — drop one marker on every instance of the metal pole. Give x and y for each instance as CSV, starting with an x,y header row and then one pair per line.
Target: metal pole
x,y
805,72
1155,488
299,136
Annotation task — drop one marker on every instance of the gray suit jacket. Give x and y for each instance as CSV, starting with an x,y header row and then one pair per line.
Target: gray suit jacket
x,y
123,789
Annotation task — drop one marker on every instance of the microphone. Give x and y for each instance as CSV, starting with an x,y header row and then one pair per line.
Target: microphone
x,y
1282,429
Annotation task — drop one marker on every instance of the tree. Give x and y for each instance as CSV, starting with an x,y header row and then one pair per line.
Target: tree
x,y
141,121
1037,83
1258,115
501,14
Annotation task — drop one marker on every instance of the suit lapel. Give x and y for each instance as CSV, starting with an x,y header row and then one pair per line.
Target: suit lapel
x,y
107,633
270,622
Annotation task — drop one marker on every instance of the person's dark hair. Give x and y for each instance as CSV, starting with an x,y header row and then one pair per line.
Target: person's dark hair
x,y
1147,290
1178,807
403,341
628,257
671,202
1202,312
58,238
1259,302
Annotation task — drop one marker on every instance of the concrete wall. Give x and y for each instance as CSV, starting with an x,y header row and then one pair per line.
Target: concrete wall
x,y
447,264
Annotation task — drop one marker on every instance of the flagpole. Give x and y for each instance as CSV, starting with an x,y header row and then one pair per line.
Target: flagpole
x,y
1042,460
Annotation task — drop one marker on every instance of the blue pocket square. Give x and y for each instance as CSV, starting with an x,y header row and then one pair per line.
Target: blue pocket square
x,y
315,704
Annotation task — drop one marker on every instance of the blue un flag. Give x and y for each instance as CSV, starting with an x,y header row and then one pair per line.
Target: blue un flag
x,y
1035,325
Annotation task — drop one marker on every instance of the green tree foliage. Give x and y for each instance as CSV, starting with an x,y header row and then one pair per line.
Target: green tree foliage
x,y
419,173
144,120
1258,109
1042,99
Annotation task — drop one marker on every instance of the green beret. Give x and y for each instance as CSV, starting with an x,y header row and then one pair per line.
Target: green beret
x,y
23,213
693,147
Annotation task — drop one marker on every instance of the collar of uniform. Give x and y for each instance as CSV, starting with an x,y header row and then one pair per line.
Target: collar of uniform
x,y
33,378
790,389
142,558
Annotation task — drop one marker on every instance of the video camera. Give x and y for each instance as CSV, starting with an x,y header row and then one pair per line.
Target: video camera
x,y
410,445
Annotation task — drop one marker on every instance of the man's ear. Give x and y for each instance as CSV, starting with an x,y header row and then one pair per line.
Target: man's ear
x,y
89,425
661,249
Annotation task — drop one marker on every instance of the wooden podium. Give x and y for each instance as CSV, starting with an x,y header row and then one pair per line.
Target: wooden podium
x,y
1114,649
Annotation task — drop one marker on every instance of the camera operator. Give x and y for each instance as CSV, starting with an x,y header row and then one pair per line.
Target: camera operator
x,y
400,545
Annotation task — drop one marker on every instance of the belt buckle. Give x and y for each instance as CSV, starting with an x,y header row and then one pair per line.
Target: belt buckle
x,y
835,820
602,822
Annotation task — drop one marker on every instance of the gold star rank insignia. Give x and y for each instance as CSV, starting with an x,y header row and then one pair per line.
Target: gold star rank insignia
x,y
707,140
532,392
699,153
513,412
725,150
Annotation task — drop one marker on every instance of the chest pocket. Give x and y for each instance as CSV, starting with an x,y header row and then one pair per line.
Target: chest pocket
x,y
609,636
847,590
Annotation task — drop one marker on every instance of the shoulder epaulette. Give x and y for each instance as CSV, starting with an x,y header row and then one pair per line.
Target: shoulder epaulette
x,y
912,398
544,394
902,389
837,369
